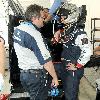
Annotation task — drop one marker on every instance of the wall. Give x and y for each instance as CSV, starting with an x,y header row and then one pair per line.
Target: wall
x,y
25,3
4,21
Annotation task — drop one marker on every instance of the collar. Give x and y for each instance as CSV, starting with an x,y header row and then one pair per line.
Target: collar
x,y
31,25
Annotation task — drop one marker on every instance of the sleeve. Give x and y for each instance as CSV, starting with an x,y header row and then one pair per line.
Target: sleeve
x,y
73,14
55,6
43,49
37,45
84,44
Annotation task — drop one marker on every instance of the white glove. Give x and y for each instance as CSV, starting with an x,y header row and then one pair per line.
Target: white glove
x,y
1,82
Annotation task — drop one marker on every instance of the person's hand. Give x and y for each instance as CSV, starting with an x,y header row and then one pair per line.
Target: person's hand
x,y
55,82
1,82
57,35
71,66
53,40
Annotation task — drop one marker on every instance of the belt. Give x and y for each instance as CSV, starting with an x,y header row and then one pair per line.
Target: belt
x,y
32,70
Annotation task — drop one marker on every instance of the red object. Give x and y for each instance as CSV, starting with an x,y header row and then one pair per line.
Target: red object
x,y
4,96
79,65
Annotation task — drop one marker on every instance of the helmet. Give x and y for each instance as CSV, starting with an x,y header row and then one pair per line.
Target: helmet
x,y
71,11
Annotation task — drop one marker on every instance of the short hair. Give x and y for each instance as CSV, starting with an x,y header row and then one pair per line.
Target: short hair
x,y
33,11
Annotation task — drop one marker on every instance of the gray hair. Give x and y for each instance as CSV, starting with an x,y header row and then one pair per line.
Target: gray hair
x,y
33,11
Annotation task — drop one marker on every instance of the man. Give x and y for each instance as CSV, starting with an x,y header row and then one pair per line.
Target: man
x,y
33,57
76,51
2,62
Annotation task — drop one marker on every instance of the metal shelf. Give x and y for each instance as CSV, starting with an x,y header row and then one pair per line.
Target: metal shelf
x,y
96,39
95,18
94,29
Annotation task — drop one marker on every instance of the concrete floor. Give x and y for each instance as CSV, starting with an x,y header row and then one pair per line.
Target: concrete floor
x,y
87,92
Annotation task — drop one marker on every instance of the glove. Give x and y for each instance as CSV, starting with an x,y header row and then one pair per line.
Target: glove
x,y
1,82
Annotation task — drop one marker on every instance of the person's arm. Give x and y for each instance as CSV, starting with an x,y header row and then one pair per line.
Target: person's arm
x,y
45,59
84,44
53,9
50,68
55,6
2,62
2,56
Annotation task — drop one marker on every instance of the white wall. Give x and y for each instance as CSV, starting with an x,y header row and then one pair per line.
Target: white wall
x,y
25,3
4,21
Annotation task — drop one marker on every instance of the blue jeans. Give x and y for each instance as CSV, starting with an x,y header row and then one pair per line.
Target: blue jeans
x,y
71,83
35,84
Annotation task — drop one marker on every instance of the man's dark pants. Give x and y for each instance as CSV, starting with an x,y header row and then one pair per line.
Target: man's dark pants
x,y
35,84
70,80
